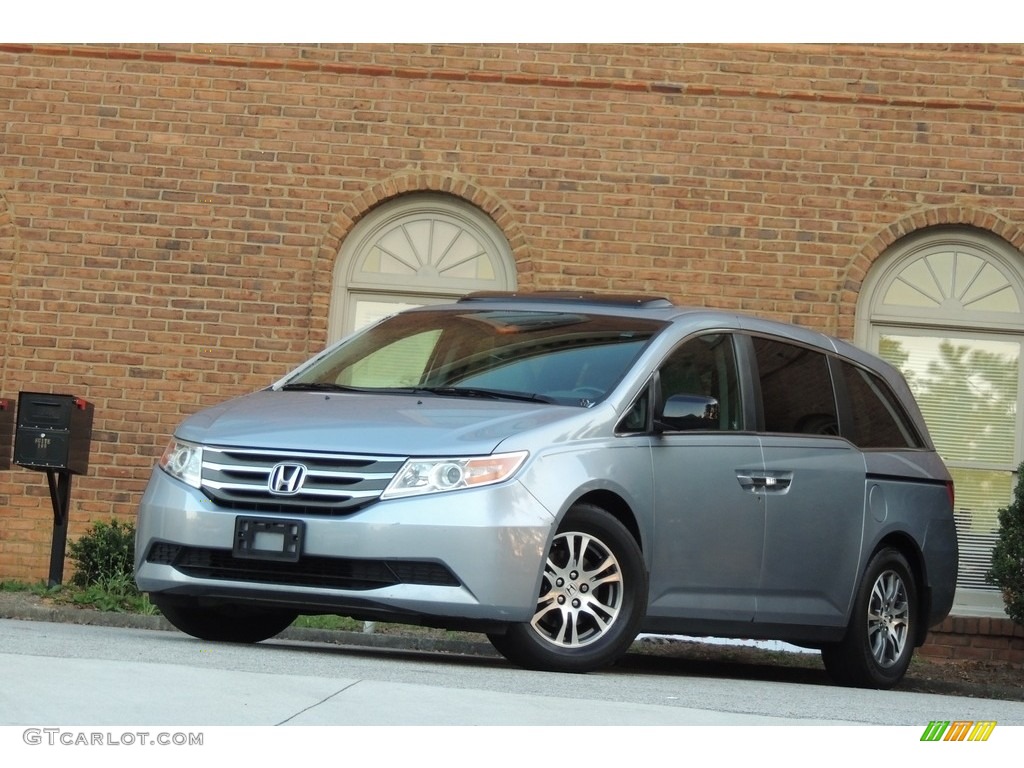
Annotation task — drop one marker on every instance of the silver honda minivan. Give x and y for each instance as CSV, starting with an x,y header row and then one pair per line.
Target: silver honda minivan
x,y
563,472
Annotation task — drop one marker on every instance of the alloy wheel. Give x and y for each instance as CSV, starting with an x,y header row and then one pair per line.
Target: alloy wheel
x,y
581,593
888,618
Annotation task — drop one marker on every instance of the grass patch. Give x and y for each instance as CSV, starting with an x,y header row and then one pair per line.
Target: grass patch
x,y
38,588
340,623
112,593
14,586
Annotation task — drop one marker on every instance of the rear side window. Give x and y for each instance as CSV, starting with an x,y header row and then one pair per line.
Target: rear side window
x,y
796,389
877,420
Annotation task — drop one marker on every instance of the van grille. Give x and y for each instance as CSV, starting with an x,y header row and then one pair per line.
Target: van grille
x,y
309,571
305,483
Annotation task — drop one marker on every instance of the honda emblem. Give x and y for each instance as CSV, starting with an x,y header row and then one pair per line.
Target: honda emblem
x,y
286,479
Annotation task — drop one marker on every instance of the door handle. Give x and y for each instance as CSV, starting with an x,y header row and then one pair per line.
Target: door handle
x,y
764,482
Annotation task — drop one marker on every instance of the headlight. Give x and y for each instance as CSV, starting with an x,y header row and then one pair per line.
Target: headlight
x,y
420,476
183,461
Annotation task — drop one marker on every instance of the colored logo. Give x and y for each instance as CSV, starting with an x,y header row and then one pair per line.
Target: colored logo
x,y
958,730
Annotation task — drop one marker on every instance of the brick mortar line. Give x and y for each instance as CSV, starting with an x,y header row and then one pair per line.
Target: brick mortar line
x,y
513,78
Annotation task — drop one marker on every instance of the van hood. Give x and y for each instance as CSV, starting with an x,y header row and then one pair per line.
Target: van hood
x,y
393,424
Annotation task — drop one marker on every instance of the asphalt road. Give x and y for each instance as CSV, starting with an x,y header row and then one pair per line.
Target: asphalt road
x,y
76,675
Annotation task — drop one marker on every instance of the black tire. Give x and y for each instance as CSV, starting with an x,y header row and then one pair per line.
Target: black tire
x,y
593,595
228,624
880,639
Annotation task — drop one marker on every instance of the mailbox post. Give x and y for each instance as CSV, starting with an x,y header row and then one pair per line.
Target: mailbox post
x,y
53,436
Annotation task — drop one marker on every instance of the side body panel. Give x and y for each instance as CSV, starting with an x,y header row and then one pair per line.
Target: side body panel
x,y
707,551
909,500
814,530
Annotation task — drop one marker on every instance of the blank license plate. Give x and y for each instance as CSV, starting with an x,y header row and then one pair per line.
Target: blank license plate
x,y
265,539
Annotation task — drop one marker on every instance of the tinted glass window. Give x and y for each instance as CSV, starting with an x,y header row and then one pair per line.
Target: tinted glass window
x,y
796,389
401,361
563,357
635,419
704,367
877,419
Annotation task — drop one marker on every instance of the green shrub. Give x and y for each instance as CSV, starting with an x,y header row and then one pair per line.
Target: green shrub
x,y
104,553
1007,570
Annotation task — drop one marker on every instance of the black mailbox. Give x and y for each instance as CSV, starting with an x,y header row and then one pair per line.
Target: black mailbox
x,y
6,432
54,433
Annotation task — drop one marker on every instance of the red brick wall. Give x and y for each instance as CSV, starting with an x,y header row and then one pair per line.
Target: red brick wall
x,y
170,215
976,639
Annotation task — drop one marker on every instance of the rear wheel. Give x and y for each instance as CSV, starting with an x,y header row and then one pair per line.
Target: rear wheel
x,y
593,594
228,623
879,641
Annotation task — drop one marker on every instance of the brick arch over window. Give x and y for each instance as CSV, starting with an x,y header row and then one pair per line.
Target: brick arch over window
x,y
919,220
483,204
945,304
422,248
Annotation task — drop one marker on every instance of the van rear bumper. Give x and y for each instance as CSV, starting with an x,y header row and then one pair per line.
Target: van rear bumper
x,y
941,557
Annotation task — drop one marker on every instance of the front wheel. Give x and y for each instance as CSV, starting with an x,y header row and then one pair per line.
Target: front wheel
x,y
879,641
592,597
229,623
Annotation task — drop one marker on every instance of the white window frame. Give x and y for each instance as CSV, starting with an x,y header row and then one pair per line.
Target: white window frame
x,y
944,314
421,230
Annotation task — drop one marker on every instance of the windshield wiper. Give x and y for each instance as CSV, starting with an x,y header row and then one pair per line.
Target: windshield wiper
x,y
319,386
491,394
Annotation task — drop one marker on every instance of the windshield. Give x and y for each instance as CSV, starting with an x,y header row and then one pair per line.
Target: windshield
x,y
560,357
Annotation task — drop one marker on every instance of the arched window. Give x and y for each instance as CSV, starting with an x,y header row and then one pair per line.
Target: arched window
x,y
419,249
944,306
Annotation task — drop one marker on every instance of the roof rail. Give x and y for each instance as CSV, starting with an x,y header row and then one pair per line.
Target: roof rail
x,y
640,301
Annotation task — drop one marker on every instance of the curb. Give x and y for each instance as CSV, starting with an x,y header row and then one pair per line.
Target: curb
x,y
66,614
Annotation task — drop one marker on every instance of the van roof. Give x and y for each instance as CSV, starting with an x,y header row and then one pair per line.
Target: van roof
x,y
639,301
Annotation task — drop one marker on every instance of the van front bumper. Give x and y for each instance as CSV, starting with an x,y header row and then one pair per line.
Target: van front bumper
x,y
465,558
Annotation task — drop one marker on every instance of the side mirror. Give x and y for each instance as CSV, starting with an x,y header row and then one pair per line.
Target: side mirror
x,y
682,413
